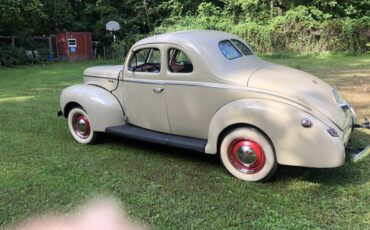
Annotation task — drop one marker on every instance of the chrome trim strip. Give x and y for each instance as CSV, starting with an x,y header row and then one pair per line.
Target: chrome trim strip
x,y
211,85
100,77
313,113
144,81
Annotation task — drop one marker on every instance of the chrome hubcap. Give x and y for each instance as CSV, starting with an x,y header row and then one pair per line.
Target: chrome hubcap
x,y
81,126
246,155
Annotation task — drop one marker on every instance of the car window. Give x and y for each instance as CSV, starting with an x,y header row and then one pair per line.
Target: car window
x,y
145,60
179,62
242,47
229,50
154,56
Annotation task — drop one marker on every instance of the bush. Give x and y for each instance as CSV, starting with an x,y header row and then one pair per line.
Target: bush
x,y
300,30
12,56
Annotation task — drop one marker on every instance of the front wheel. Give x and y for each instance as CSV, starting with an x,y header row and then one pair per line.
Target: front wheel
x,y
80,126
248,155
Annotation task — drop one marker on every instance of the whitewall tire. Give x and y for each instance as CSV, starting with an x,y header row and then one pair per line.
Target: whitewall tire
x,y
80,126
248,154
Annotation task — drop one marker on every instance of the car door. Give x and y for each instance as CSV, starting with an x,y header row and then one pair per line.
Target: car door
x,y
144,89
189,110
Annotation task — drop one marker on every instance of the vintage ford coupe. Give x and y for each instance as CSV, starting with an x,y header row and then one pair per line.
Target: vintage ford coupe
x,y
207,91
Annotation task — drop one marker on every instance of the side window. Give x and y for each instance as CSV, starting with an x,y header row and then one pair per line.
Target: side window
x,y
229,50
179,62
242,47
145,60
154,56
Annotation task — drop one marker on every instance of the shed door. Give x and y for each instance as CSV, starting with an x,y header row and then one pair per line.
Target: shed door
x,y
81,46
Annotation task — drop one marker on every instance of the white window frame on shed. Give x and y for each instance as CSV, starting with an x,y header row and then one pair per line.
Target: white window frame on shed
x,y
74,42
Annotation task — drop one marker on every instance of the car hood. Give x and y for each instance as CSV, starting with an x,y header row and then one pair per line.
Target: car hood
x,y
106,71
302,87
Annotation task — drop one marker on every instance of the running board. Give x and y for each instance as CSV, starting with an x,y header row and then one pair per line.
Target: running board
x,y
142,134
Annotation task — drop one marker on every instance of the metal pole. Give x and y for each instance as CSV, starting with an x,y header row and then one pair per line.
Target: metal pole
x,y
50,46
13,41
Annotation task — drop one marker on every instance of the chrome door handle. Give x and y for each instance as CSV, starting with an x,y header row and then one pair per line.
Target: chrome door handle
x,y
158,90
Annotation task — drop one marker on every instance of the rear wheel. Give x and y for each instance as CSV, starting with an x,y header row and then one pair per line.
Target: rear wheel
x,y
248,155
80,126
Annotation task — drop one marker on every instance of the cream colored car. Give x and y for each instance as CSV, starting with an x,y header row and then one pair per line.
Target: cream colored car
x,y
207,91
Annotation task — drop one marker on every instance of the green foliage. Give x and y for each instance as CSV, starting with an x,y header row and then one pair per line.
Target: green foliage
x,y
58,16
300,29
122,46
20,15
268,25
12,56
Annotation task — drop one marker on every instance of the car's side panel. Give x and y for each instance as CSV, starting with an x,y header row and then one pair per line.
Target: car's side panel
x,y
191,104
103,108
294,144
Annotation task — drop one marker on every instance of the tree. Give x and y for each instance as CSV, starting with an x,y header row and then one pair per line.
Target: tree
x,y
59,15
19,16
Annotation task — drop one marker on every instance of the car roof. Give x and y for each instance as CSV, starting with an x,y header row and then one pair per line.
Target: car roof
x,y
194,37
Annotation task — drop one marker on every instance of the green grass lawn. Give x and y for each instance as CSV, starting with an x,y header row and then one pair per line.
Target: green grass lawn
x,y
43,169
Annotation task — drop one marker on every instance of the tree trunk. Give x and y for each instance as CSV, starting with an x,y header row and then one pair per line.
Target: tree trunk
x,y
280,8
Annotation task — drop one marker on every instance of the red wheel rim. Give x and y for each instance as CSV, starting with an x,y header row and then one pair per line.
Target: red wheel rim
x,y
246,156
81,126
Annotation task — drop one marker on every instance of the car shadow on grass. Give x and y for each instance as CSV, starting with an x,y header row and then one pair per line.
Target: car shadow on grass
x,y
350,173
163,150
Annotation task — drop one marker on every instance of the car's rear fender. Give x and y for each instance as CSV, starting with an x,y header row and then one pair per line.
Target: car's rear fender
x,y
281,123
103,108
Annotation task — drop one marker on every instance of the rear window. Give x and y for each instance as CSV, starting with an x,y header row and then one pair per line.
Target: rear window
x,y
242,47
229,50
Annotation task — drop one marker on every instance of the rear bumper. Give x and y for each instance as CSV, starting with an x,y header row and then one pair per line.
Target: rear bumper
x,y
366,125
361,155
366,151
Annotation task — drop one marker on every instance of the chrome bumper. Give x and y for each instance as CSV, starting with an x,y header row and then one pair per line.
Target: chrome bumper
x,y
361,155
346,133
366,151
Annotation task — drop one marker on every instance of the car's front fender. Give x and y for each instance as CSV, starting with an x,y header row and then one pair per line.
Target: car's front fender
x,y
103,108
293,143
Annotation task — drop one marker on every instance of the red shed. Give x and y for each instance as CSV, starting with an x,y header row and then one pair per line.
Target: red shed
x,y
74,46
